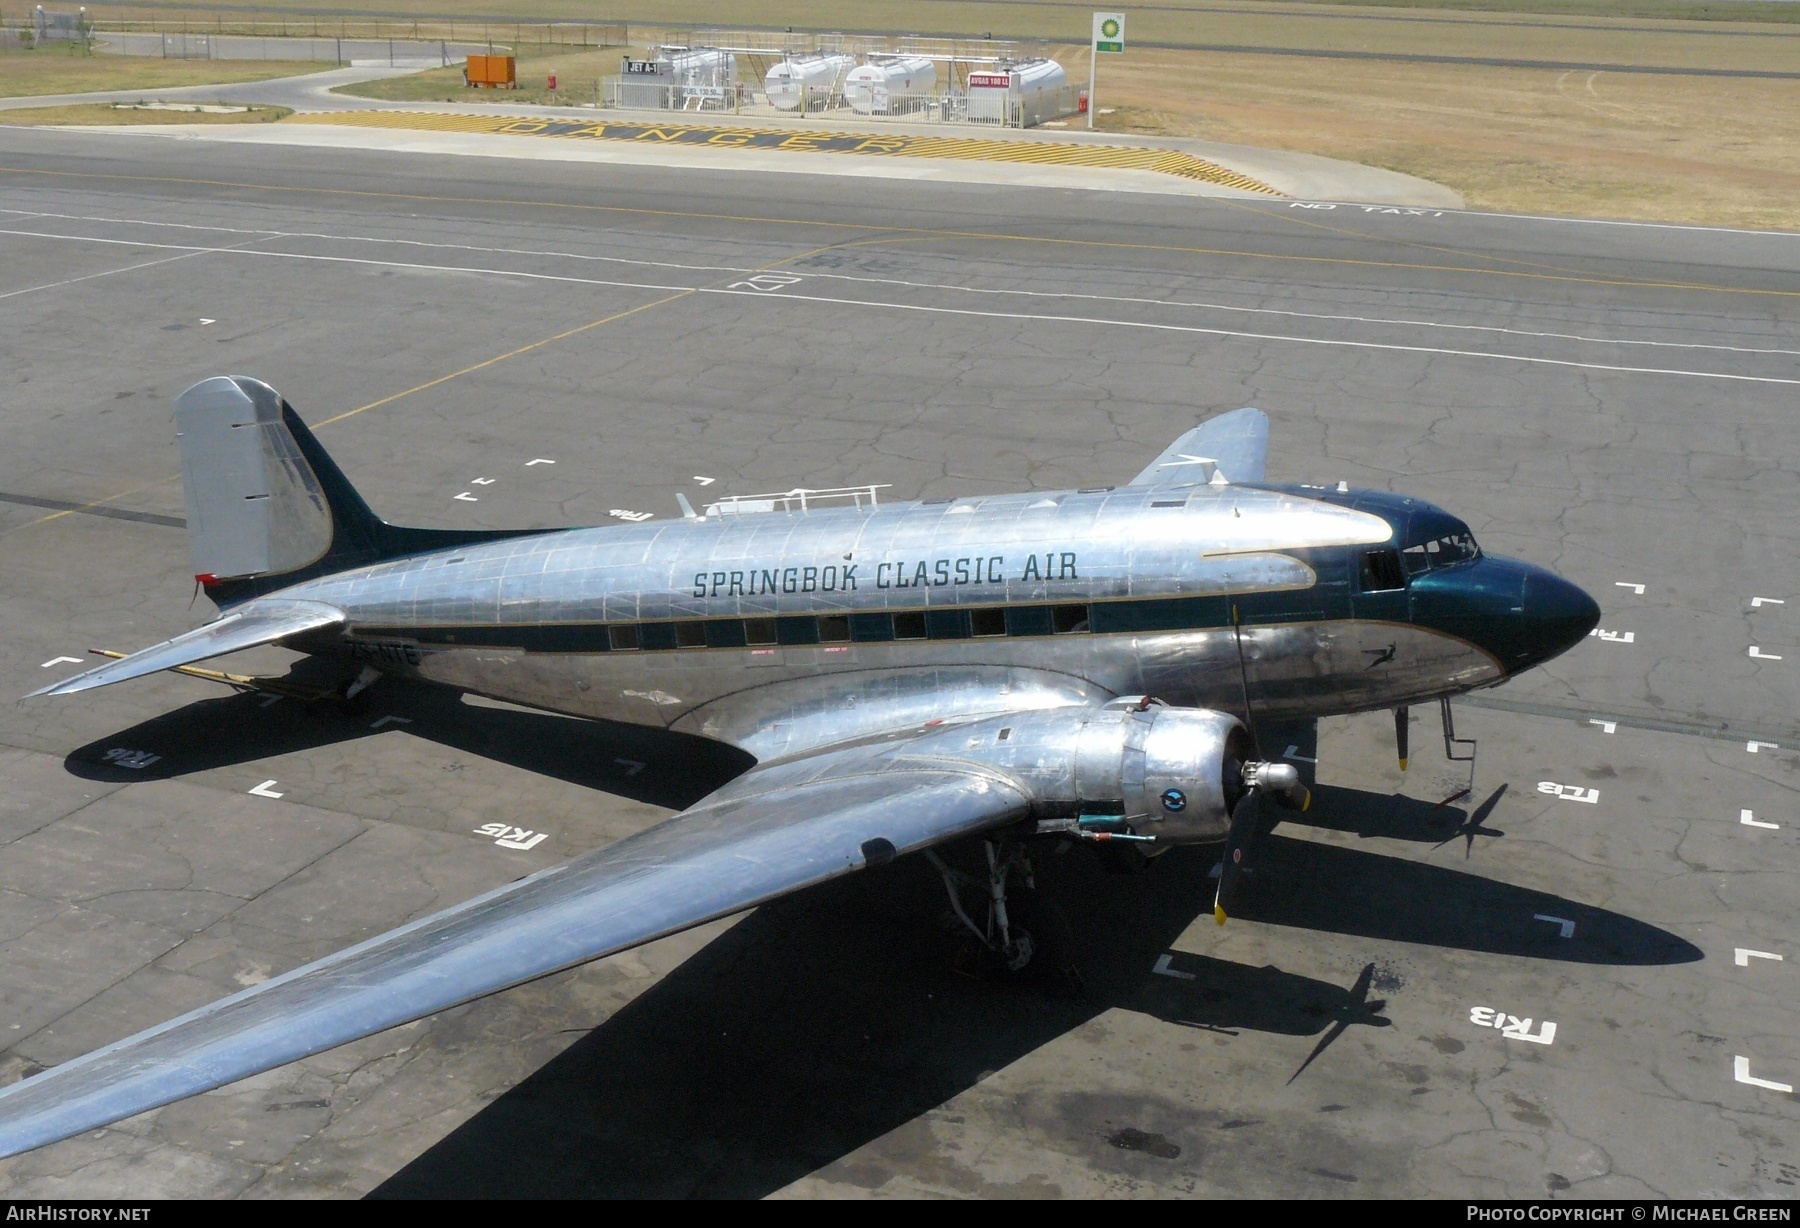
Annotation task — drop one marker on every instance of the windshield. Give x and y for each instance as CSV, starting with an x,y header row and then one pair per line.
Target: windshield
x,y
1442,551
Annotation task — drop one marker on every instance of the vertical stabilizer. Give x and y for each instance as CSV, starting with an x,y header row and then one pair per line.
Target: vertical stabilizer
x,y
254,505
267,506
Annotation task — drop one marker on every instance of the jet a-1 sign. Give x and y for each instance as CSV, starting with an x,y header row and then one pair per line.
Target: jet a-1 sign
x,y
1065,664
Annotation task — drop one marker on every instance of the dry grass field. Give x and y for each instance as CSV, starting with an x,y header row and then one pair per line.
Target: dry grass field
x,y
54,70
1706,150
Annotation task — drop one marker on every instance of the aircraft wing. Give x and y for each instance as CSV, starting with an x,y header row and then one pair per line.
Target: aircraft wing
x,y
250,626
1236,444
774,830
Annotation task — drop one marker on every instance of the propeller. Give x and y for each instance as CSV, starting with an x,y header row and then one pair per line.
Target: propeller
x,y
1402,719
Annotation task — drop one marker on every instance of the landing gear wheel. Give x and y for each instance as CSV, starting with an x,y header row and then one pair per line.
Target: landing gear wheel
x,y
1051,963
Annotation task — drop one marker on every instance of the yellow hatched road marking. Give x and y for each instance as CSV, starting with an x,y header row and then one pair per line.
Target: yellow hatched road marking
x,y
1044,153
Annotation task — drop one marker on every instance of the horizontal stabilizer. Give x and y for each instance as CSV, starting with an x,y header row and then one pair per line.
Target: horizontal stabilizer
x,y
770,832
1233,446
249,626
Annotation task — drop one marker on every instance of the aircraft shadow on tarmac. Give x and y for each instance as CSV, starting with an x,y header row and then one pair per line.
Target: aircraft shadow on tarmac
x,y
647,765
823,1021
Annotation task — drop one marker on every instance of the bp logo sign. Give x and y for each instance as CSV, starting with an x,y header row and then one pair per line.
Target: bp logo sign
x,y
1109,32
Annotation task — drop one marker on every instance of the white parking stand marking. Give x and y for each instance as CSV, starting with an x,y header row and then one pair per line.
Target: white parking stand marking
x,y
1743,956
1740,1067
263,790
1636,588
1511,1026
766,283
1566,926
704,481
136,760
538,461
1615,637
379,721
623,513
1293,752
1748,819
59,661
269,701
1569,793
509,837
482,481
1162,969
204,321
466,497
632,766
1760,655
1753,746
1605,726
1757,603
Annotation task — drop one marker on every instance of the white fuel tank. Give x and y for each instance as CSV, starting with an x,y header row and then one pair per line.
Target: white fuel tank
x,y
808,77
704,67
890,85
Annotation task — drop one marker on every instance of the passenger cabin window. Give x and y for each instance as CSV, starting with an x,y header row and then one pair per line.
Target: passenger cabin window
x,y
1381,571
759,631
834,628
910,625
988,622
690,635
1067,618
624,637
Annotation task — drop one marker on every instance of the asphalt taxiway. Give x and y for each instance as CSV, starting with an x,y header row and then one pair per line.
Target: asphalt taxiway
x,y
1578,981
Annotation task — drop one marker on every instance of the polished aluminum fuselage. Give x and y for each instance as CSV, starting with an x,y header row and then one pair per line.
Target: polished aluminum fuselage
x,y
525,619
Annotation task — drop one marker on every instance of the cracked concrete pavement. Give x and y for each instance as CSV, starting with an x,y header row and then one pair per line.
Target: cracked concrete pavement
x,y
1611,401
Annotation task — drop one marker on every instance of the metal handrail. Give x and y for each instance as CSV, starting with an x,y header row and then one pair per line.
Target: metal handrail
x,y
800,498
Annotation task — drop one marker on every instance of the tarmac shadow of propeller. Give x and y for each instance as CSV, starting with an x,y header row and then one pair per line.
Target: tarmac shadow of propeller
x,y
662,768
827,1020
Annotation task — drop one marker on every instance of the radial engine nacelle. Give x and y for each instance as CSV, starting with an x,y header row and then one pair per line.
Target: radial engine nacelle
x,y
1171,773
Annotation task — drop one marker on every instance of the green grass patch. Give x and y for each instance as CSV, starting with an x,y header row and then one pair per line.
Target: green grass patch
x,y
578,74
56,69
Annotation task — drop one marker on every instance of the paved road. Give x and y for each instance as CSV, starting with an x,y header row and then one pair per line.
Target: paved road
x,y
1610,400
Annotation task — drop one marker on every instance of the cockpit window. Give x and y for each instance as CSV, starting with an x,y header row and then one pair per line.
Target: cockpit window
x,y
1441,552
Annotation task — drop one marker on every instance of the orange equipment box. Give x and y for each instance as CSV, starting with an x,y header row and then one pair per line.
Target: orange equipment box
x,y
491,72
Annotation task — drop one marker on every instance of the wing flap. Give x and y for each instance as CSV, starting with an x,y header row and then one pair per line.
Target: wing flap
x,y
1234,445
771,832
251,626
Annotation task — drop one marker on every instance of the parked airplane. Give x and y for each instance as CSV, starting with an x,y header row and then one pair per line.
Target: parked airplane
x,y
1085,665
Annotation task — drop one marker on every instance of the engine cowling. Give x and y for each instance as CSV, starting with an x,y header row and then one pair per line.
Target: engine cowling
x,y
1172,773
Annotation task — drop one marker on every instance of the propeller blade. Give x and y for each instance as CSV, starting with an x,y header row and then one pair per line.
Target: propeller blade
x,y
1401,720
1245,817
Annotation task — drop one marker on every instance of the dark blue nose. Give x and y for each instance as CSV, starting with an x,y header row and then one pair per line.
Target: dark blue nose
x,y
1557,616
1520,614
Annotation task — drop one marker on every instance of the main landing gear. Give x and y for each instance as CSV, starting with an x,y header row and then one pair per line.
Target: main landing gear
x,y
1026,936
